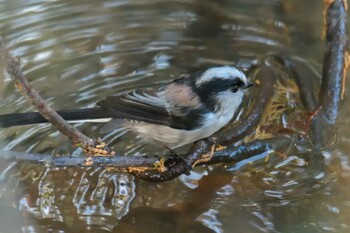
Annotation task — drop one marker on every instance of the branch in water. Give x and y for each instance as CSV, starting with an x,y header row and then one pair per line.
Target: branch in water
x,y
335,59
335,62
143,167
324,110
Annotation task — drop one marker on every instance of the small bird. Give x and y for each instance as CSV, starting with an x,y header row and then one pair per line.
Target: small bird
x,y
185,110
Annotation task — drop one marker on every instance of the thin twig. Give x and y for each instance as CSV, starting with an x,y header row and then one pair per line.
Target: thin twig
x,y
122,162
13,67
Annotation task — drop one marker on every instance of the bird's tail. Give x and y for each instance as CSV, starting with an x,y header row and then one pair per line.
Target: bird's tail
x,y
76,115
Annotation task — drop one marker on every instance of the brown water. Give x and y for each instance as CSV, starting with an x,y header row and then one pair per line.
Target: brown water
x,y
77,52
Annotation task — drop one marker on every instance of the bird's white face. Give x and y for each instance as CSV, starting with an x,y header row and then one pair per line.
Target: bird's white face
x,y
225,88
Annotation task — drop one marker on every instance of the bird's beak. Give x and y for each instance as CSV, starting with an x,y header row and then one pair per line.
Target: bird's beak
x,y
249,84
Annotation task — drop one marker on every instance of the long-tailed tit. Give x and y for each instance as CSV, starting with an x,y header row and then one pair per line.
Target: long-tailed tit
x,y
187,109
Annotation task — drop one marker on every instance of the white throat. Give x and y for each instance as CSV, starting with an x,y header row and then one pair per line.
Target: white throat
x,y
228,103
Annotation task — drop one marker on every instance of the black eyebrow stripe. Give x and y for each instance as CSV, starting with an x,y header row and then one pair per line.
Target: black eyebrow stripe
x,y
237,81
216,85
208,90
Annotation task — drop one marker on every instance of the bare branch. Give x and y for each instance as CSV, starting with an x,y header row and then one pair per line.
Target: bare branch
x,y
143,167
334,59
13,67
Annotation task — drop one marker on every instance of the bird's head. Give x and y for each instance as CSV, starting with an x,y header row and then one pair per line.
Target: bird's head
x,y
222,87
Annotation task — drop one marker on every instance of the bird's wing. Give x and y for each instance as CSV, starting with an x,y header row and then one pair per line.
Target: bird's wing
x,y
144,105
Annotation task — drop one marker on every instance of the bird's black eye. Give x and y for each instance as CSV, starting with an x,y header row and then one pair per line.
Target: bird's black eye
x,y
237,83
234,88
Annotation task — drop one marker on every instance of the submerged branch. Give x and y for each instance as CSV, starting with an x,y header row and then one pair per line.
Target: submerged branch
x,y
335,59
333,75
324,109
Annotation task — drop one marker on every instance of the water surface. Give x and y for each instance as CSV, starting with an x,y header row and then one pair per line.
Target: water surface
x,y
77,52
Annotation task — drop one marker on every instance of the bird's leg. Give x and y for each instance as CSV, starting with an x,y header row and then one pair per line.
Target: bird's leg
x,y
180,157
